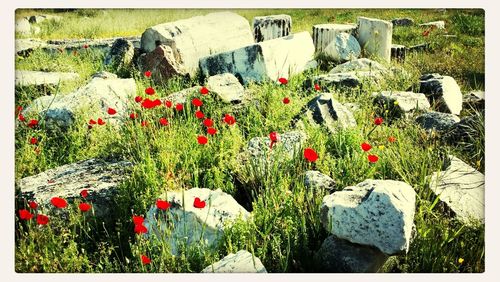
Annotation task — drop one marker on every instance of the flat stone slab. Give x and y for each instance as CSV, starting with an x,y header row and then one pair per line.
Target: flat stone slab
x,y
241,262
183,223
442,91
317,180
436,24
359,65
267,60
40,78
227,87
402,103
99,177
461,187
341,256
437,121
376,213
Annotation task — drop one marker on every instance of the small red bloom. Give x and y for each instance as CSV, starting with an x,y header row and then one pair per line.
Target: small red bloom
x,y
426,32
137,219
100,121
199,204
85,46
168,104
33,140
84,193
111,111
317,87
283,80
32,123
286,100
378,121
211,131
197,102
19,109
138,99
208,122
199,114
20,117
25,214
140,229
133,116
179,107
58,202
91,121
147,74
229,119
366,147
163,121
310,155
145,259
144,123
42,219
204,90
33,205
274,136
84,207
150,90
391,139
372,158
162,205
202,140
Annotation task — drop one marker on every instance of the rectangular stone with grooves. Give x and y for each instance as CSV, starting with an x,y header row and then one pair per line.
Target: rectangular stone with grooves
x,y
200,36
270,59
324,34
271,27
375,38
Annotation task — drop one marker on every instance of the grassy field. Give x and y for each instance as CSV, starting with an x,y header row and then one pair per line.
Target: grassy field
x,y
286,230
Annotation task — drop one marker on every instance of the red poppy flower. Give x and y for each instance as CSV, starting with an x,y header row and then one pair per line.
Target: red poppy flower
x,y
274,136
19,108
144,123
140,229
32,123
133,116
20,117
208,122
199,114
85,46
197,102
163,121
202,140
84,207
58,202
33,140
168,104
286,100
25,214
137,219
91,121
162,205
426,32
211,131
283,80
148,104
84,193
100,121
42,219
378,121
33,205
310,155
317,87
391,139
199,204
179,107
111,111
204,90
229,119
372,158
147,74
145,259
366,147
138,99
150,90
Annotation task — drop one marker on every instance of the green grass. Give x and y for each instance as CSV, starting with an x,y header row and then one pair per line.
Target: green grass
x,y
285,231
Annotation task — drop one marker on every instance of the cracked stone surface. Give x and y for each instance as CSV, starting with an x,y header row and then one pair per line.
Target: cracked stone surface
x,y
241,262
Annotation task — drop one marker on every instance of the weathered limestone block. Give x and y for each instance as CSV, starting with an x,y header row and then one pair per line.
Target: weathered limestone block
x,y
324,34
375,38
271,27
